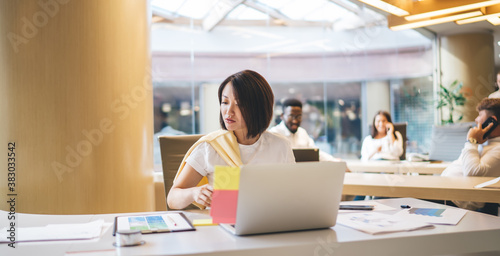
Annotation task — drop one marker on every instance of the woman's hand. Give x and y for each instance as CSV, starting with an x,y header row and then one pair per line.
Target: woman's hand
x,y
203,195
390,127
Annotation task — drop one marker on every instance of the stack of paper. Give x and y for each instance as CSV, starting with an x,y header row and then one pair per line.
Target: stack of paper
x,y
376,206
443,216
56,232
378,223
494,183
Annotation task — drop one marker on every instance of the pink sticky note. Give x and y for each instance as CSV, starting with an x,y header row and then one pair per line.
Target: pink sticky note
x,y
223,207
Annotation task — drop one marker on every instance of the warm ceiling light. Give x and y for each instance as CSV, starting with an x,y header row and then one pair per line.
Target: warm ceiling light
x,y
495,21
430,22
477,19
386,7
446,11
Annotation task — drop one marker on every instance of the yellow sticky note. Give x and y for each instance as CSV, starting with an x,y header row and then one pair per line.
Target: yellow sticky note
x,y
203,222
226,178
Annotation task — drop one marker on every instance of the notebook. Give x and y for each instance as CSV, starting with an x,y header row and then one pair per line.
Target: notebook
x,y
288,197
306,154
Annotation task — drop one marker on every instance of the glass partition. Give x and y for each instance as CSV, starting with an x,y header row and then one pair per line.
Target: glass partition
x,y
323,67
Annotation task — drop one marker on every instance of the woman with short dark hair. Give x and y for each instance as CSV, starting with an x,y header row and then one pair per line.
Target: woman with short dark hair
x,y
384,143
246,108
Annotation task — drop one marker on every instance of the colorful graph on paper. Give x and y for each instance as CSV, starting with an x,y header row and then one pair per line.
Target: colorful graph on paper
x,y
427,211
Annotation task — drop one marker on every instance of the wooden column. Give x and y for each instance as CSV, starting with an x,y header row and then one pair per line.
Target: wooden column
x,y
468,58
76,99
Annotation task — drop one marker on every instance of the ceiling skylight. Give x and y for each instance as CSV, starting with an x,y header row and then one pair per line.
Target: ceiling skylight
x,y
283,12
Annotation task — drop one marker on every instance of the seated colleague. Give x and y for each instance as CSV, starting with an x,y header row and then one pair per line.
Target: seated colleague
x,y
496,93
479,157
246,108
290,128
384,142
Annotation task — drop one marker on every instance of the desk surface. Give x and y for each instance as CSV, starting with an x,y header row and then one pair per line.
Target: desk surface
x,y
396,166
476,232
427,187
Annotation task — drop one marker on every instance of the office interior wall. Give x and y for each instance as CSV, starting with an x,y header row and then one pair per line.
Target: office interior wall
x,y
319,74
76,101
209,108
468,58
297,67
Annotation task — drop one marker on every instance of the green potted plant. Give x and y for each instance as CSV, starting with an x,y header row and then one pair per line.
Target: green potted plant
x,y
450,98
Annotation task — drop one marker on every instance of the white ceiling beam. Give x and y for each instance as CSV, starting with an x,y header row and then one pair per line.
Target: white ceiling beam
x,y
354,9
272,12
163,13
218,12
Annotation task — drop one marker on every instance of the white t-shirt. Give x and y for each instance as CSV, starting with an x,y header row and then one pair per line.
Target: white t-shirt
x,y
269,148
477,160
390,151
495,94
300,139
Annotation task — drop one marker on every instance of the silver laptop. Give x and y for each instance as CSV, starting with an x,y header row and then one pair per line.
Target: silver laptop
x,y
288,197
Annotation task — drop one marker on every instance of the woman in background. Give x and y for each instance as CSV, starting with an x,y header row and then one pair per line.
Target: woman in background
x,y
246,108
384,143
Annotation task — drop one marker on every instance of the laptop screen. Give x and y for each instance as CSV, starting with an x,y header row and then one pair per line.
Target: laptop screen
x,y
306,154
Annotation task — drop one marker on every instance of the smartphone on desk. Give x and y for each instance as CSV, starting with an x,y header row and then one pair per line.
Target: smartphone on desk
x,y
486,123
356,207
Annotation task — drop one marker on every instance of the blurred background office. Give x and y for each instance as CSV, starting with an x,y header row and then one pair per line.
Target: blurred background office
x,y
73,66
338,57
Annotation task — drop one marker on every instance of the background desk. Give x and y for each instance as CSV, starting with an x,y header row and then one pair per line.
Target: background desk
x,y
427,187
396,166
475,233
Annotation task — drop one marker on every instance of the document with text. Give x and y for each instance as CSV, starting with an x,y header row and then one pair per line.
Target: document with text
x,y
379,223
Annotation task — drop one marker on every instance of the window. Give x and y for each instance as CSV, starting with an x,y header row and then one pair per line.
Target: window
x,y
328,69
413,103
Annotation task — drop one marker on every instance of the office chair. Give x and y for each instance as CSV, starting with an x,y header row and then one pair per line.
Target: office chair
x,y
401,128
173,149
447,141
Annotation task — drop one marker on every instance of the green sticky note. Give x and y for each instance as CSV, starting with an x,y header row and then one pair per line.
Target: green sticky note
x,y
226,178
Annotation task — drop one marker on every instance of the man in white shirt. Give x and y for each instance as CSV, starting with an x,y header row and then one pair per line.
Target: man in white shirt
x,y
290,128
480,156
496,93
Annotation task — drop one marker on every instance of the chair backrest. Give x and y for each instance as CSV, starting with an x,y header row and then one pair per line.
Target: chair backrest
x,y
401,128
447,141
173,149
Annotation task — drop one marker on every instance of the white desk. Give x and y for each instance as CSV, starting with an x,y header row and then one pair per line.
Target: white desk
x,y
396,166
475,233
421,186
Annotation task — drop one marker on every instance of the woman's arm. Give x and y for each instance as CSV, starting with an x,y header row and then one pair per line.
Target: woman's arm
x,y
184,191
368,149
396,146
390,132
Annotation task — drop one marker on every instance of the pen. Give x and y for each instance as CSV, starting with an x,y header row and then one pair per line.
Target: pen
x,y
171,220
405,206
